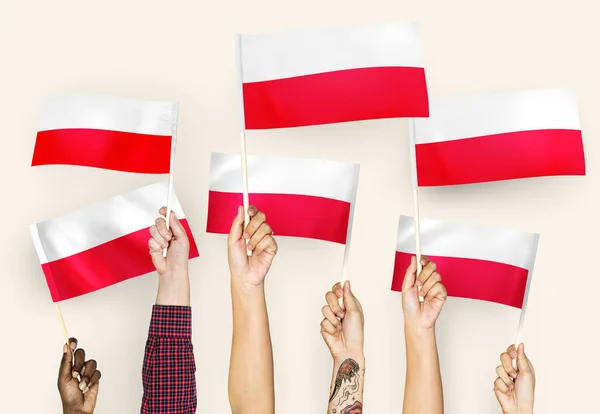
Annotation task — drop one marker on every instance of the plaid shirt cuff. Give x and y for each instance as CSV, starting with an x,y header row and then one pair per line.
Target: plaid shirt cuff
x,y
171,321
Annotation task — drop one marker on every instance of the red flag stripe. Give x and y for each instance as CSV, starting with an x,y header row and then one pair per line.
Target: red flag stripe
x,y
113,150
287,214
339,96
503,156
104,265
472,278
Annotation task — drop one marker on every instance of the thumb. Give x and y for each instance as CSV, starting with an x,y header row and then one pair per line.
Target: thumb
x,y
350,301
522,360
410,277
237,227
176,227
66,364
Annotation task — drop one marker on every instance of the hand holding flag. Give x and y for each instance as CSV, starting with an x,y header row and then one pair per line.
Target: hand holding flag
x,y
251,270
515,388
422,315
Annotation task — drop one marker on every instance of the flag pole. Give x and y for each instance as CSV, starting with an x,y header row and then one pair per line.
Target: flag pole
x,y
349,233
62,322
415,185
175,119
243,153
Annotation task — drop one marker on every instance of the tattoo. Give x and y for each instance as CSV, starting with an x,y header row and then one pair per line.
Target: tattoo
x,y
347,371
355,408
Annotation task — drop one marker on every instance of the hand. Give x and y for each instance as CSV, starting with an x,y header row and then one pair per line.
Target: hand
x,y
251,270
514,388
343,326
78,381
176,240
422,315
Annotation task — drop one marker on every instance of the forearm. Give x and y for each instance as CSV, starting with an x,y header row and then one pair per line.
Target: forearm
x,y
347,385
423,391
251,388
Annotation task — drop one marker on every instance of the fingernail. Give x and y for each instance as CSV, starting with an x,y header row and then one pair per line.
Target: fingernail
x,y
511,387
422,293
513,375
75,374
513,355
82,385
73,345
423,262
419,283
250,247
86,390
340,315
246,236
83,371
339,293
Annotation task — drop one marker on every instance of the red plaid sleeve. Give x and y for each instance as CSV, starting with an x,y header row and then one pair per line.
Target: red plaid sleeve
x,y
169,372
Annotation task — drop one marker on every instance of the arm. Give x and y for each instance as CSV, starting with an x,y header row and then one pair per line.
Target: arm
x,y
343,332
78,380
423,391
251,388
515,388
168,373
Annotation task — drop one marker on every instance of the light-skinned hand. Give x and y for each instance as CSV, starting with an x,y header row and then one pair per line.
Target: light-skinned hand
x,y
250,270
343,326
515,388
176,240
78,380
422,315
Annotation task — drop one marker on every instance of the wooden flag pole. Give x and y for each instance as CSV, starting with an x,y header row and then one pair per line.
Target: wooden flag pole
x,y
413,161
245,184
349,233
62,322
175,119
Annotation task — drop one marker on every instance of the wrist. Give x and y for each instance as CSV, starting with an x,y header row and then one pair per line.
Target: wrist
x,y
173,289
239,284
358,356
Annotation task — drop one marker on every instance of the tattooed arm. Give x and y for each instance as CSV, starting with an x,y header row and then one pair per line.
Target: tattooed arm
x,y
342,329
423,390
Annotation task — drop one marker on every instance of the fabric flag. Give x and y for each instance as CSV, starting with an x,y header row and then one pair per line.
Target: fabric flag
x,y
106,132
301,197
103,243
475,262
500,136
323,76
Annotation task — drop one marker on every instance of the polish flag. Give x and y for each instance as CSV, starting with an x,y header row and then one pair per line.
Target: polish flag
x,y
106,132
475,262
324,76
499,136
301,197
102,244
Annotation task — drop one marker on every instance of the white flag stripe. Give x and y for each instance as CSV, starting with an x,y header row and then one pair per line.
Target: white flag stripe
x,y
71,111
472,116
274,175
104,221
442,238
304,52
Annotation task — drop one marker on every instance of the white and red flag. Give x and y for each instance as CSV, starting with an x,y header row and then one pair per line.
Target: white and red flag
x,y
107,132
330,75
476,262
499,136
301,197
103,243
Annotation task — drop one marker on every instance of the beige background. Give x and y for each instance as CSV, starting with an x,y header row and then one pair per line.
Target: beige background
x,y
183,50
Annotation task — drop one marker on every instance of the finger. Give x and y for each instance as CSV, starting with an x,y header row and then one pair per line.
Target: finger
x,y
158,237
334,304
73,344
410,275
330,316
523,362
161,226
350,302
237,227
156,253
508,366
267,244
261,232
91,392
500,386
438,291
252,210
328,327
78,362
174,224
337,289
88,370
66,364
255,222
512,351
433,279
428,270
504,376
